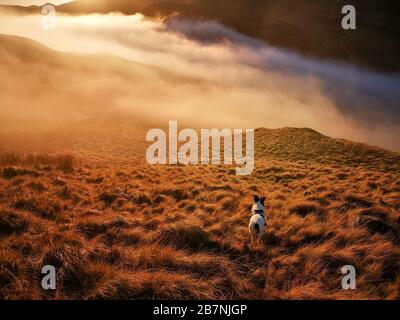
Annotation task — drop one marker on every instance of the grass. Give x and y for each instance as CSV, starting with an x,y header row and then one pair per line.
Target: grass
x,y
126,230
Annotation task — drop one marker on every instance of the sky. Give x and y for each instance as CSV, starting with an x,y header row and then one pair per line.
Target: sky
x,y
32,2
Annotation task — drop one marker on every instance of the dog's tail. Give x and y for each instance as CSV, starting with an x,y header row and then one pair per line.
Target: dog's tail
x,y
257,228
254,231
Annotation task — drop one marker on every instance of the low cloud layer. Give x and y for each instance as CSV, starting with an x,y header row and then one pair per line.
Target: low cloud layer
x,y
227,79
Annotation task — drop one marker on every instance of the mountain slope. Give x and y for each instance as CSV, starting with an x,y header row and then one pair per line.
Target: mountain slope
x,y
310,27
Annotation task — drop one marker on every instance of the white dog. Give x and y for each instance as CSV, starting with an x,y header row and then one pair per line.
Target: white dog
x,y
257,220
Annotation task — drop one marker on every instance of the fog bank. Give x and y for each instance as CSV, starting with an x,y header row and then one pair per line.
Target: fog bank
x,y
222,79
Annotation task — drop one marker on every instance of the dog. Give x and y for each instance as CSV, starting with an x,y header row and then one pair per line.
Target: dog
x,y
257,220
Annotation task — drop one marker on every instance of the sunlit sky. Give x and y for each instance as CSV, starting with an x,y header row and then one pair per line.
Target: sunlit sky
x,y
32,2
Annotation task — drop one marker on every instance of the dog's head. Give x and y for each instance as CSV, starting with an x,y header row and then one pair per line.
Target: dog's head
x,y
259,204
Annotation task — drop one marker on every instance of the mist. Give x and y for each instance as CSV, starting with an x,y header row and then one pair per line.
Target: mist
x,y
200,73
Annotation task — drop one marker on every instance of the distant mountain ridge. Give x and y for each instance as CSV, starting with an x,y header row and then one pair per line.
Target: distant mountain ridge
x,y
309,27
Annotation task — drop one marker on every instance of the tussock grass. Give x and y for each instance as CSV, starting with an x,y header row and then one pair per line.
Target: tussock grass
x,y
11,222
126,230
190,237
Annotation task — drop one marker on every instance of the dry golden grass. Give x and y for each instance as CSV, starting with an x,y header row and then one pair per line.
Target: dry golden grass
x,y
117,228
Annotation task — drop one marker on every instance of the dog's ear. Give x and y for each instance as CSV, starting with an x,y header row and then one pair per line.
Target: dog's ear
x,y
256,199
263,200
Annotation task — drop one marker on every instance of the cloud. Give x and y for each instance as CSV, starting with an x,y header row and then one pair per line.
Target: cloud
x,y
228,79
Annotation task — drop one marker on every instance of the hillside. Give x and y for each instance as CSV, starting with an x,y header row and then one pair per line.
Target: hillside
x,y
77,193
117,228
85,201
